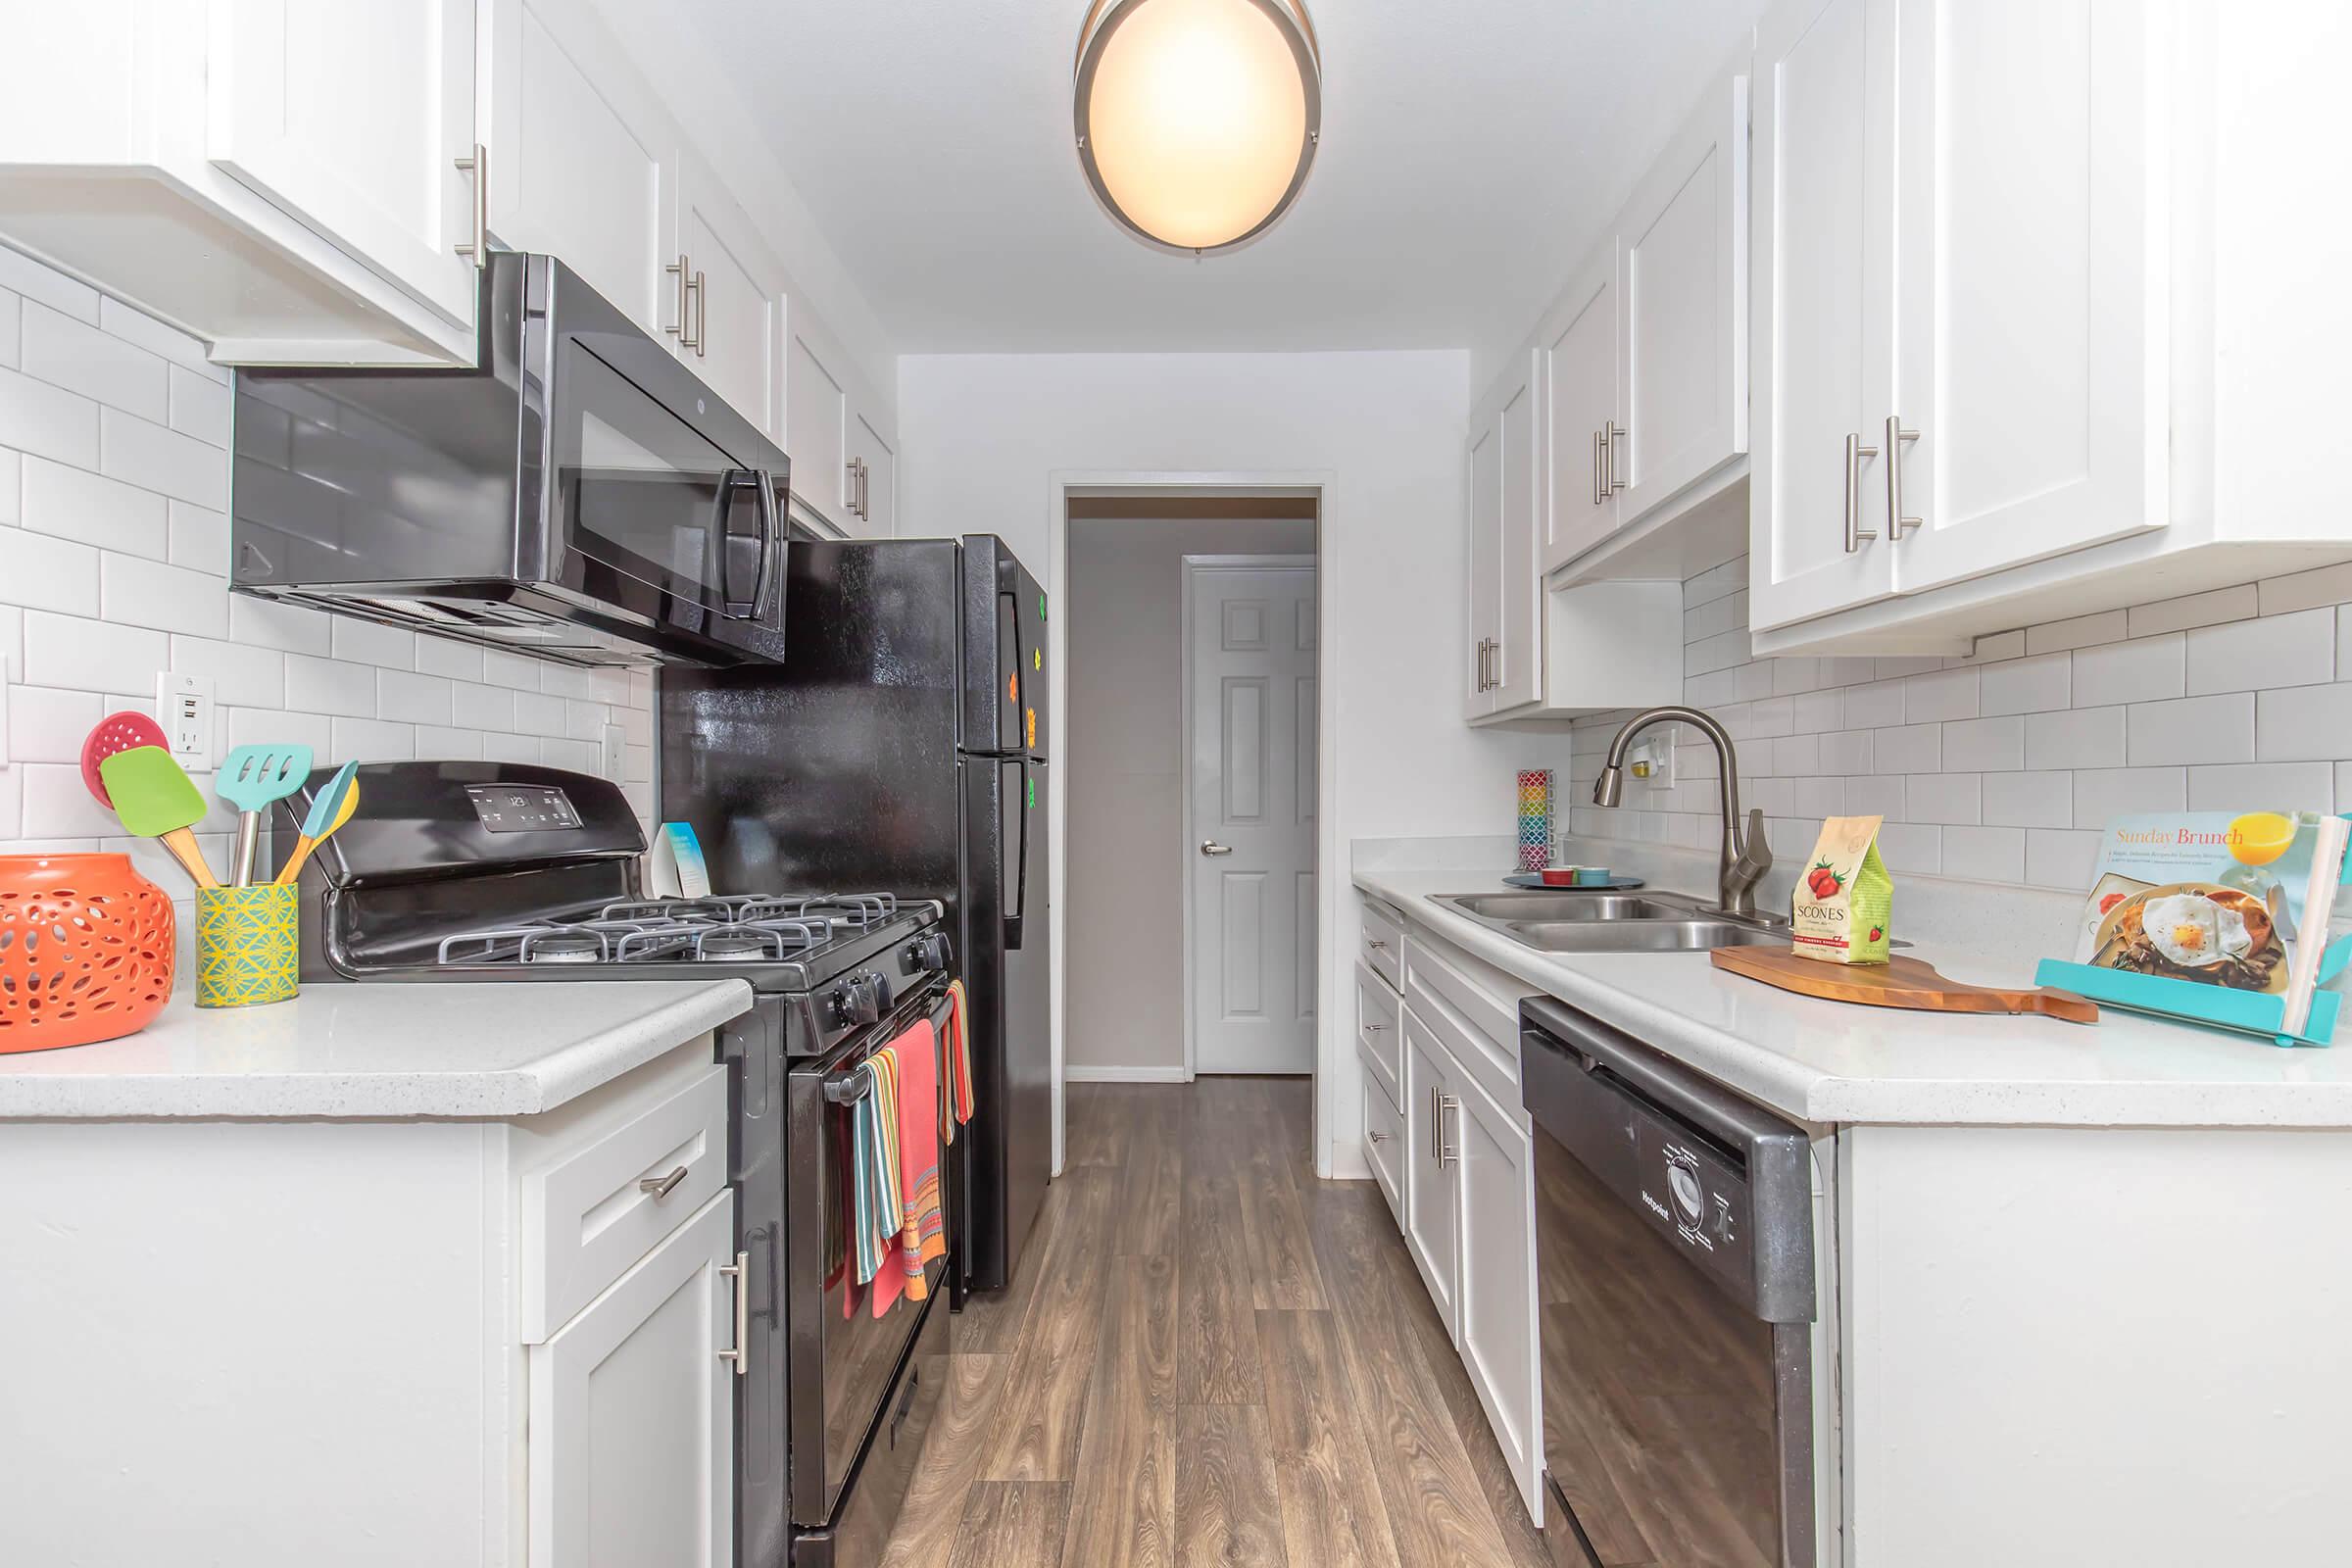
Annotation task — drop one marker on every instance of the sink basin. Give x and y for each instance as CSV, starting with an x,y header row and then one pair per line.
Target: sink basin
x,y
1610,922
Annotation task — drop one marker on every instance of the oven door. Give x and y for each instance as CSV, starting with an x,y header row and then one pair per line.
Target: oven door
x,y
658,499
843,1358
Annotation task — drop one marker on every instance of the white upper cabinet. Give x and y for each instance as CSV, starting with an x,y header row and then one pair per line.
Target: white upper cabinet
x,y
1577,349
730,302
356,117
2029,250
1506,486
581,166
1681,245
817,420
1823,235
1484,617
875,468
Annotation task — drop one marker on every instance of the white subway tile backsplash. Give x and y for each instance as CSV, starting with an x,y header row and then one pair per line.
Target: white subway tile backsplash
x,y
2251,656
133,590
2288,786
1755,680
58,805
2193,729
438,656
1985,745
155,457
500,747
76,356
2101,793
2059,857
1815,713
371,740
2147,670
1943,797
1941,694
2026,685
1994,647
36,280
486,708
198,538
411,697
48,726
331,686
276,727
2343,642
512,670
1909,848
1910,749
440,743
2304,723
289,629
72,651
538,714
199,407
2084,631
1875,705
40,573
2084,737
1848,751
47,420
1773,715
1984,853
366,642
74,504
11,315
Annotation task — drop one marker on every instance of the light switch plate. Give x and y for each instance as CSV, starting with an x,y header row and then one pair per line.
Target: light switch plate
x,y
183,705
614,761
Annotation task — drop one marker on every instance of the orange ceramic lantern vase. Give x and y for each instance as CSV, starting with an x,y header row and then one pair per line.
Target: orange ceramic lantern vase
x,y
86,950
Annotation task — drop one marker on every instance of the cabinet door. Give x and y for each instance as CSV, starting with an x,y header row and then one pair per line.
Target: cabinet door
x,y
351,117
2028,260
1577,349
580,167
1431,1206
632,1425
873,445
817,420
1519,622
735,341
1496,1305
1683,400
1818,343
1484,617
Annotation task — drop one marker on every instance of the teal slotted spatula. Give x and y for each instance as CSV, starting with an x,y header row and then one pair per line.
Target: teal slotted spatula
x,y
253,779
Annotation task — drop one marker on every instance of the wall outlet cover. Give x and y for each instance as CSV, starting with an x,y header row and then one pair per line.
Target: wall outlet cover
x,y
614,757
184,707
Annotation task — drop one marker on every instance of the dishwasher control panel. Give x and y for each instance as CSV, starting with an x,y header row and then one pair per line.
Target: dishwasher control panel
x,y
1693,1198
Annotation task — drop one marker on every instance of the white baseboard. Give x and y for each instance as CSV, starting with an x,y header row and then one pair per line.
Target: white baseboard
x,y
1079,1072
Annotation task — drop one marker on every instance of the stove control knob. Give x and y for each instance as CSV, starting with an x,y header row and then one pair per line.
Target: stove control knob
x,y
863,999
930,953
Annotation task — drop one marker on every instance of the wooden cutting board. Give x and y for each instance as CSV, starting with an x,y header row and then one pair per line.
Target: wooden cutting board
x,y
1898,982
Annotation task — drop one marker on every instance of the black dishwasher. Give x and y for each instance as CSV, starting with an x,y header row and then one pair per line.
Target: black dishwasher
x,y
1674,1241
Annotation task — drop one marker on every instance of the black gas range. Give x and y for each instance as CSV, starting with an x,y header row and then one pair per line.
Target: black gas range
x,y
496,872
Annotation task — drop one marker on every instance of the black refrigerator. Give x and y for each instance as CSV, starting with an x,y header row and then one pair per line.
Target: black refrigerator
x,y
900,748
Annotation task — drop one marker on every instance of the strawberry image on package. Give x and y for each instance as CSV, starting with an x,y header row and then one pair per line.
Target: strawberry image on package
x,y
1844,897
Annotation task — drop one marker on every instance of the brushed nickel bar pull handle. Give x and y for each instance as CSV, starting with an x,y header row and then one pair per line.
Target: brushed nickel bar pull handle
x,y
702,314
1609,446
680,270
1896,438
1600,463
478,166
660,1187
1378,1138
1449,1154
1855,533
740,1271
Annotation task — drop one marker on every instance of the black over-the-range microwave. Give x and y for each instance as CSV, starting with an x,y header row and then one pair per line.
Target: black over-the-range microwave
x,y
578,494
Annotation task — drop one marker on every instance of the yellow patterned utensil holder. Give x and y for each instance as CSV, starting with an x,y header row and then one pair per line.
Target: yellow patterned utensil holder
x,y
247,945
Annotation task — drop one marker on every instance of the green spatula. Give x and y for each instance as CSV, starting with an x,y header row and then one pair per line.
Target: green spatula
x,y
253,779
156,799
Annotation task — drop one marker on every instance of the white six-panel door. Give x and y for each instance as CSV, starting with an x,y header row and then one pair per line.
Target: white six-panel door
x,y
2030,289
352,116
1250,805
1823,273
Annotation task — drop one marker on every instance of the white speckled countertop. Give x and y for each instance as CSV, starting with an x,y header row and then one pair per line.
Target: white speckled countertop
x,y
373,1051
1827,1061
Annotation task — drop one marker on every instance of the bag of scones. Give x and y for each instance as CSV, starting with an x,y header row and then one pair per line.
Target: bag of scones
x,y
1844,897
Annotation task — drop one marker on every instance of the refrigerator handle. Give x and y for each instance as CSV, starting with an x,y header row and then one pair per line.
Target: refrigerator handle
x,y
1021,883
1008,603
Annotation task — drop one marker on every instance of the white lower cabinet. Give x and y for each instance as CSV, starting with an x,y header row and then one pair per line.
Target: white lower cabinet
x,y
1468,1217
632,1413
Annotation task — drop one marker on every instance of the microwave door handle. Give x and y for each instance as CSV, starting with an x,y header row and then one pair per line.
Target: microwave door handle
x,y
723,524
764,496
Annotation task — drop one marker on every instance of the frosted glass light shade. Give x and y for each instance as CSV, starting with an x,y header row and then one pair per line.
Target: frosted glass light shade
x,y
1197,119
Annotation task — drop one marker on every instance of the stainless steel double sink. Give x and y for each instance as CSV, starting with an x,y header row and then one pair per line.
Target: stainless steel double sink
x,y
1611,922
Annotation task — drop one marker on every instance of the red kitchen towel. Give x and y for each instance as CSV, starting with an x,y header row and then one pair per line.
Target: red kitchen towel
x,y
924,1234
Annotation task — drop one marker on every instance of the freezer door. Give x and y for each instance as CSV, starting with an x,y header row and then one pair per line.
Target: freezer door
x,y
1010,1144
1005,652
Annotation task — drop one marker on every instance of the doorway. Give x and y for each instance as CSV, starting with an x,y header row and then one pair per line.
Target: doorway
x,y
1132,981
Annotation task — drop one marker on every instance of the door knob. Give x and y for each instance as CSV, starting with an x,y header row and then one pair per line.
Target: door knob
x,y
1213,847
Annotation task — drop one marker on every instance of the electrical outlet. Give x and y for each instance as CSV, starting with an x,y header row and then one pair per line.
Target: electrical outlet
x,y
614,760
183,705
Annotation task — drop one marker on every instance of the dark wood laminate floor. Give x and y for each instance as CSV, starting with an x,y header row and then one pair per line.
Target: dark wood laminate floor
x,y
1209,1358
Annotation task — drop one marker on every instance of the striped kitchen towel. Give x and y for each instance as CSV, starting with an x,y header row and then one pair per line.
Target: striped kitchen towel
x,y
956,1064
876,1208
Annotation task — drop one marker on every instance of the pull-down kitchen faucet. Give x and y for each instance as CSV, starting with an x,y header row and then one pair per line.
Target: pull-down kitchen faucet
x,y
1745,857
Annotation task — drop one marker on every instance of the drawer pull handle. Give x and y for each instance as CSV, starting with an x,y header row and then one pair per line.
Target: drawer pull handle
x,y
661,1185
1378,1138
1375,1028
1377,946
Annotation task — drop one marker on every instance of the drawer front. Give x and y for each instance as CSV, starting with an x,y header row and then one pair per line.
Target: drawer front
x,y
1384,1134
1384,944
1477,1024
587,1218
1375,1028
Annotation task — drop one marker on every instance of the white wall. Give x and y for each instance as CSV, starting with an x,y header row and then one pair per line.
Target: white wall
x,y
114,566
989,439
2001,767
1123,777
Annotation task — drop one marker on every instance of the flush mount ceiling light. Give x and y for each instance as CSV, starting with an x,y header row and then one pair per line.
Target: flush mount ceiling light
x,y
1197,119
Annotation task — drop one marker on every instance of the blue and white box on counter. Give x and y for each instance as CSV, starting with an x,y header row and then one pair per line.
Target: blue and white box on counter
x,y
678,871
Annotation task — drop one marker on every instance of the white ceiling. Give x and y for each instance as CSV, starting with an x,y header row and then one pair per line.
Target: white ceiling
x,y
1471,152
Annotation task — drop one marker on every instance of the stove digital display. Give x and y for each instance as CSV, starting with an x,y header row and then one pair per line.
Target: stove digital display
x,y
522,807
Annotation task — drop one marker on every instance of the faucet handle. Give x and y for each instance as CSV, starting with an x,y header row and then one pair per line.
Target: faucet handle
x,y
1755,856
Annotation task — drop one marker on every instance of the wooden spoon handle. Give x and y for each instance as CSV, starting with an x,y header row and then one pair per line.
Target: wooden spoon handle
x,y
303,847
182,842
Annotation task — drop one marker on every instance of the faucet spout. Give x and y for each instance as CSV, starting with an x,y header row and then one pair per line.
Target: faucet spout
x,y
1744,857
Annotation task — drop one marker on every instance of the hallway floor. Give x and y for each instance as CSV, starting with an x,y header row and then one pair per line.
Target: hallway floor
x,y
1209,1358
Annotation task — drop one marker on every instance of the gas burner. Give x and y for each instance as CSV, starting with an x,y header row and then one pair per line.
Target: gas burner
x,y
722,944
562,947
